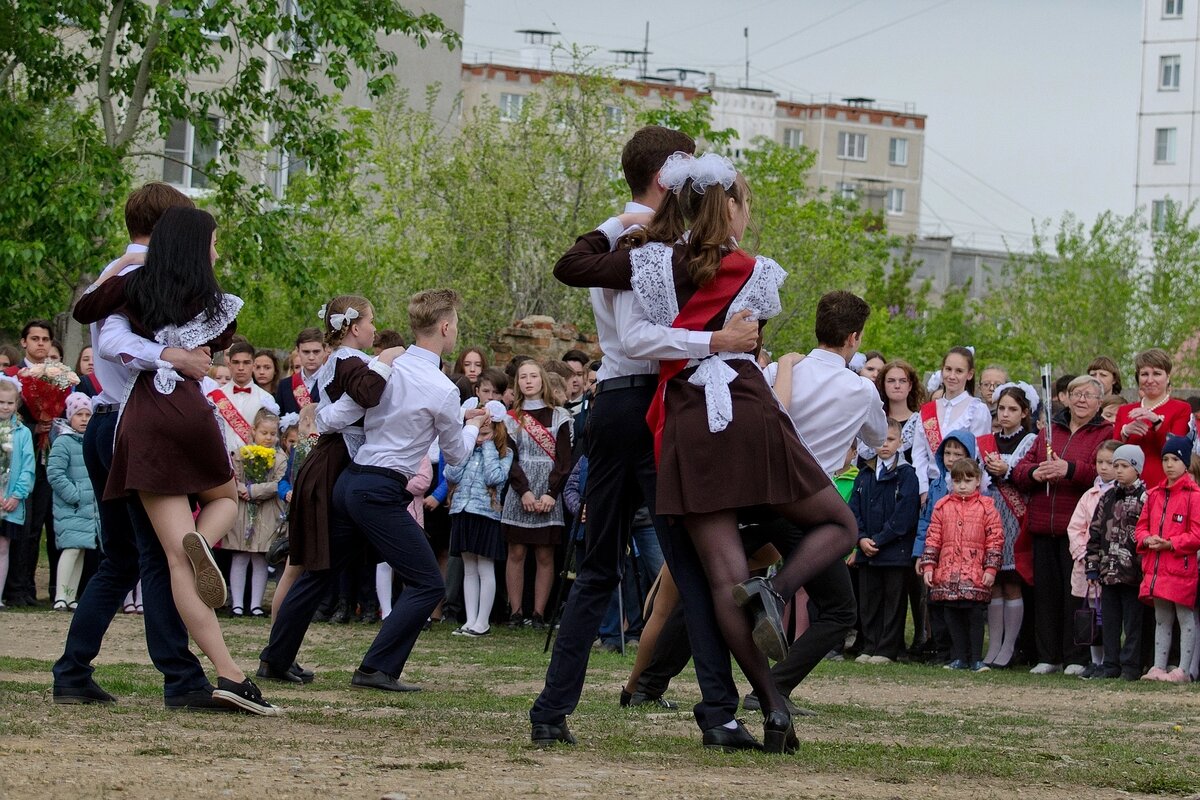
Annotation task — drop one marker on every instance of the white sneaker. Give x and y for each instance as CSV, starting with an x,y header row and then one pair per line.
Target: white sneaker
x,y
864,658
1045,669
879,660
1074,669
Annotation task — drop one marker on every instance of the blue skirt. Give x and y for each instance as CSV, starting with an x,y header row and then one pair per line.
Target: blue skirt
x,y
471,533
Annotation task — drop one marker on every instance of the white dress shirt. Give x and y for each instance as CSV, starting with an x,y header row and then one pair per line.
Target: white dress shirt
x,y
248,406
963,412
620,325
831,406
419,405
120,353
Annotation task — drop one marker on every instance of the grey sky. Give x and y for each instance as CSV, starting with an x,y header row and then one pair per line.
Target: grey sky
x,y
1037,99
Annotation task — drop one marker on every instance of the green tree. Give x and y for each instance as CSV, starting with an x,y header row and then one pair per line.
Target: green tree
x,y
242,73
1167,287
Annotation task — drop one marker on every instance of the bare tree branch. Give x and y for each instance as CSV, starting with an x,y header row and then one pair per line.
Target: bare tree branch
x,y
104,74
141,85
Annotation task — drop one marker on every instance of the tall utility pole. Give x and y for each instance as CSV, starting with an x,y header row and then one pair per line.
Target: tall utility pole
x,y
746,34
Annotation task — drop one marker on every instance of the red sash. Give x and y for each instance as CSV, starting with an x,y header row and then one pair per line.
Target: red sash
x,y
708,300
931,426
300,391
232,417
537,431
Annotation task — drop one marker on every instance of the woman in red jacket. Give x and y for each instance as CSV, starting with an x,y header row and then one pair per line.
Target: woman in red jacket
x,y
1149,421
1054,482
1168,536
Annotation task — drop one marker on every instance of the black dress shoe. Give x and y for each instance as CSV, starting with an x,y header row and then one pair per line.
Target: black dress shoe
x,y
779,736
200,700
305,675
643,699
625,698
543,734
765,605
88,694
381,681
750,703
729,740
269,673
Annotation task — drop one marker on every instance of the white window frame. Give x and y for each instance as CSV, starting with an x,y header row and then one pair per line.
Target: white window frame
x,y
1159,210
898,151
852,146
211,33
793,138
510,106
1172,9
846,190
614,119
288,40
185,160
894,203
1169,69
1164,145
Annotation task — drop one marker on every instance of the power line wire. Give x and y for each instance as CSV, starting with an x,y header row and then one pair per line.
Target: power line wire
x,y
970,174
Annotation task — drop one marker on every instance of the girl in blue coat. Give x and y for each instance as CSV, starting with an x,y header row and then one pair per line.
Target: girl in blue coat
x,y
16,470
76,515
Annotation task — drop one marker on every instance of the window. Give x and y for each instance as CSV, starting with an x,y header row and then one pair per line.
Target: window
x,y
847,191
204,8
293,39
187,152
793,138
1164,146
852,146
614,119
286,169
898,152
510,105
895,199
1173,8
1160,212
1168,74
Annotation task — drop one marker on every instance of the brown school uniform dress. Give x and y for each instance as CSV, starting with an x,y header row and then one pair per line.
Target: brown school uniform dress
x,y
757,458
166,443
312,492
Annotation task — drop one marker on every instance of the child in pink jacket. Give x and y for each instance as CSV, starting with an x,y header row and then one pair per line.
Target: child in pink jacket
x,y
1081,520
1168,536
964,550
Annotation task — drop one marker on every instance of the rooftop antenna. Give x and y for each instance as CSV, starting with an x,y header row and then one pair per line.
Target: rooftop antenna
x,y
746,35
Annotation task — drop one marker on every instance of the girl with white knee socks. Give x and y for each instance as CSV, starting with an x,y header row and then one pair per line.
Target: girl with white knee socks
x,y
475,507
259,510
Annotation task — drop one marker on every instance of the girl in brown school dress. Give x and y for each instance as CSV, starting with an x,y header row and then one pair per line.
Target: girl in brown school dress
x,y
348,382
722,440
168,444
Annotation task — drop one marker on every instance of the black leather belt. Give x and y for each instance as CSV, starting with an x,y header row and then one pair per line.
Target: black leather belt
x,y
626,382
395,475
106,408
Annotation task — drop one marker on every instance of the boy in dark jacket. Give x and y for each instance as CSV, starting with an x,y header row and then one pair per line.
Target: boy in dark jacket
x,y
1114,567
886,503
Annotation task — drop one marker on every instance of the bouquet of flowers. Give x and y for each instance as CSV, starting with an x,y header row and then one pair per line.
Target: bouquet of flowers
x,y
6,449
300,454
257,463
44,389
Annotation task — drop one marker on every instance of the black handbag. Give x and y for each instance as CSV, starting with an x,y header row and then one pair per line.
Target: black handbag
x,y
277,550
1087,621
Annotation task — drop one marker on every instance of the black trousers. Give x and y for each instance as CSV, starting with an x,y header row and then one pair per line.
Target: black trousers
x,y
369,506
1054,604
1122,611
882,608
621,479
965,621
831,612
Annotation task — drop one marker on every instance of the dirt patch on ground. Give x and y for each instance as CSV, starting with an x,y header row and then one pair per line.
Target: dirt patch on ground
x,y
340,744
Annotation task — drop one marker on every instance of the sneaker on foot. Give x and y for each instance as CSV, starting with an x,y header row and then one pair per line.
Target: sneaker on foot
x,y
880,660
1178,675
210,584
1074,669
1044,668
1155,674
979,666
863,658
957,663
243,696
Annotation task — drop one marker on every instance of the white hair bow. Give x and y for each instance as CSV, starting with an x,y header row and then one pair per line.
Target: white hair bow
x,y
10,379
934,383
1030,393
857,362
705,171
321,312
343,320
288,420
496,410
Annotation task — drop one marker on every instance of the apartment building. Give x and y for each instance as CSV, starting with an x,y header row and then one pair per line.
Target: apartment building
x,y
1168,151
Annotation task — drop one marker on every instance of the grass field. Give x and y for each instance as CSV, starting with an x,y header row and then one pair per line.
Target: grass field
x,y
881,731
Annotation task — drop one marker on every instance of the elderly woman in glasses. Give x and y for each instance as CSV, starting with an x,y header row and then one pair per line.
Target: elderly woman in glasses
x,y
1055,478
1147,422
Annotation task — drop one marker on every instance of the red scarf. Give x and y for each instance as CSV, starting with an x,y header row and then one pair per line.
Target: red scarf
x,y
232,417
706,303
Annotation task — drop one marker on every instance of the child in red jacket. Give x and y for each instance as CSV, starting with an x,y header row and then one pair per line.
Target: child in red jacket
x,y
963,552
1168,536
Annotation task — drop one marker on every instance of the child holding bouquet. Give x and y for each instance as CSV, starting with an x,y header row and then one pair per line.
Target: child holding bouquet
x,y
16,470
260,466
76,514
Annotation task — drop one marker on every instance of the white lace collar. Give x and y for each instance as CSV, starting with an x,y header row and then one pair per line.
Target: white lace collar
x,y
327,370
200,329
